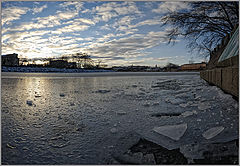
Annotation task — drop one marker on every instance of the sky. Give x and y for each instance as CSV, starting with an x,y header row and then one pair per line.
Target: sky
x,y
115,33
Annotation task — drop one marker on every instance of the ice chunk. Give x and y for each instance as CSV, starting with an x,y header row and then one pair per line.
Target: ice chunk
x,y
102,91
146,105
29,102
212,132
224,96
61,94
141,93
149,159
236,106
197,97
174,101
166,114
174,132
188,113
113,130
184,105
156,103
11,146
167,100
121,112
203,106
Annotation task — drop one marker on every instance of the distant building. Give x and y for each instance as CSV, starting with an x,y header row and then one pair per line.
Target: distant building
x,y
130,68
10,60
194,66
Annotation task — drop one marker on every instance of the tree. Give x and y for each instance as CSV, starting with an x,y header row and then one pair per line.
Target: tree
x,y
171,65
203,24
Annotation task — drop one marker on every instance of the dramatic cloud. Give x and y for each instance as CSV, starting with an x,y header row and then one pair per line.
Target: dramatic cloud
x,y
39,9
113,9
13,13
170,6
73,28
66,15
128,46
154,21
77,5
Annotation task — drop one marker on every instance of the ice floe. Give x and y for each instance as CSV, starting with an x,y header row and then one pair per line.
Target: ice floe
x,y
146,104
210,133
174,101
183,105
203,106
113,130
174,132
121,112
188,113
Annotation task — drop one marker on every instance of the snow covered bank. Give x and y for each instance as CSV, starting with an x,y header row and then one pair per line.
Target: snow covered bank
x,y
48,70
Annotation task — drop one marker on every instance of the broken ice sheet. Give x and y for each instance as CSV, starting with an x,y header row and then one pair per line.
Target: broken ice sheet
x,y
174,132
213,132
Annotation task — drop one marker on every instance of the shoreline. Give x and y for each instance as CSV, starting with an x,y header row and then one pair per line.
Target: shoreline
x,y
18,69
49,70
94,74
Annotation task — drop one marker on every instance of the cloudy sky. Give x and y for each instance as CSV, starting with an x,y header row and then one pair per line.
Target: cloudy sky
x,y
117,33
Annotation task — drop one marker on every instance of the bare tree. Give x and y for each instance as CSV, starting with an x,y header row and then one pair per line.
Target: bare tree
x,y
203,24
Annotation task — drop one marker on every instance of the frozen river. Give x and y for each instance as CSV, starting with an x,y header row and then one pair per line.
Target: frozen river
x,y
79,118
